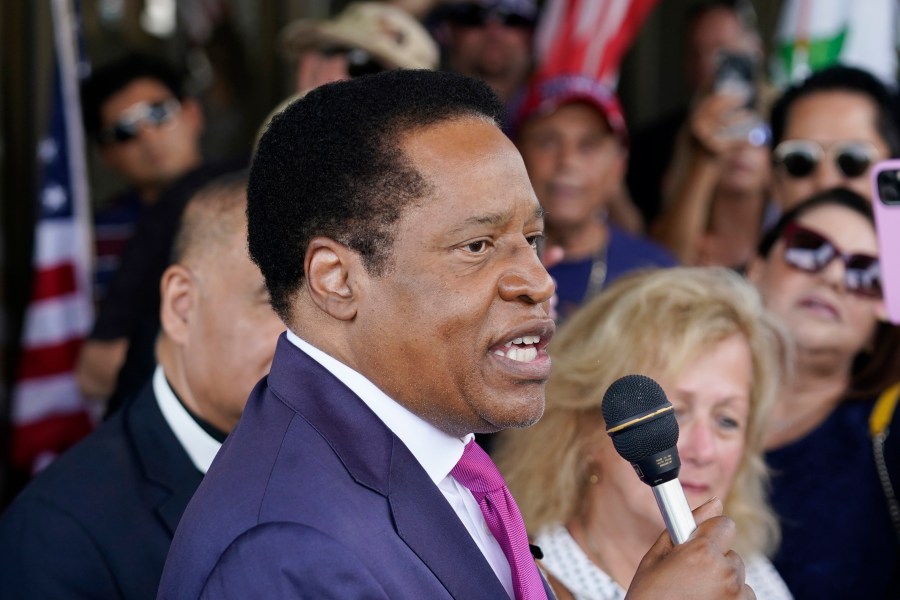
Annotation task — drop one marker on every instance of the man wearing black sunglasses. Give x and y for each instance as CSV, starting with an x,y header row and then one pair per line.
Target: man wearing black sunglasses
x,y
148,132
146,129
827,132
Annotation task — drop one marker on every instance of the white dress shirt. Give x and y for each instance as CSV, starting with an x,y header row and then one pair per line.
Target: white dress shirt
x,y
199,445
435,450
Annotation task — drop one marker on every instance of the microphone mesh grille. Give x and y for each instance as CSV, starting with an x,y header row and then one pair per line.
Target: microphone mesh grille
x,y
634,395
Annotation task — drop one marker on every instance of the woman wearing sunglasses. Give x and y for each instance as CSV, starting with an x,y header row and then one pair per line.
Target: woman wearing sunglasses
x,y
818,271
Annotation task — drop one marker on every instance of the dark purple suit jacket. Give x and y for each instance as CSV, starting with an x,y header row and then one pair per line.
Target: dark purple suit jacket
x,y
312,496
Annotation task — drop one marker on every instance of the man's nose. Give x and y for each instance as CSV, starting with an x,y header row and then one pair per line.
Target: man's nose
x,y
827,175
526,279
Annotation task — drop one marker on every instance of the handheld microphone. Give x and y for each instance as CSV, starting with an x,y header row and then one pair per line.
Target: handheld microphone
x,y
640,420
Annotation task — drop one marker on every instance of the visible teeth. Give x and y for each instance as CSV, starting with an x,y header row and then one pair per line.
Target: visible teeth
x,y
526,340
499,352
522,354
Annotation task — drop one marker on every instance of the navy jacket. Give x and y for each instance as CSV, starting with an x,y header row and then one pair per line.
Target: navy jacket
x,y
98,522
312,496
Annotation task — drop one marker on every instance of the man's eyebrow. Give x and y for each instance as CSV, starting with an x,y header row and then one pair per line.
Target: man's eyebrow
x,y
493,219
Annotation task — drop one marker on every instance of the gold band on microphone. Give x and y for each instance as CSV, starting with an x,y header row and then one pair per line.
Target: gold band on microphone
x,y
637,420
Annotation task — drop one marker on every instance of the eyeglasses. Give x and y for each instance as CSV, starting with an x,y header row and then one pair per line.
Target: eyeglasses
x,y
811,252
801,157
471,14
151,114
359,62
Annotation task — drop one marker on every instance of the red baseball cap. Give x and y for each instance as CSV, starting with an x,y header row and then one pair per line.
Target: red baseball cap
x,y
545,96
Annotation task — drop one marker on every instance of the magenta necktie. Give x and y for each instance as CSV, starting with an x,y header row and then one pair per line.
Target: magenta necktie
x,y
477,472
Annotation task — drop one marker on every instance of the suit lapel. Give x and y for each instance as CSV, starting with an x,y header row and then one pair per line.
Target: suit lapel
x,y
429,526
167,469
377,459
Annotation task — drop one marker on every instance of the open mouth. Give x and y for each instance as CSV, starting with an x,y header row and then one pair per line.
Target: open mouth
x,y
520,349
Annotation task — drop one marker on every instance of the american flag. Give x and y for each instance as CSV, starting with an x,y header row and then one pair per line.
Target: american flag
x,y
588,37
48,412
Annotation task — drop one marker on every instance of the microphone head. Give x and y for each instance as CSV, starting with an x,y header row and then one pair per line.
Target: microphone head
x,y
641,422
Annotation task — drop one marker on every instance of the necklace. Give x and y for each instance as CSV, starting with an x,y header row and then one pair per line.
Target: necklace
x,y
598,273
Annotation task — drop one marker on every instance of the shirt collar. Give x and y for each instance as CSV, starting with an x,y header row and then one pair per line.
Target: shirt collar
x,y
201,447
437,451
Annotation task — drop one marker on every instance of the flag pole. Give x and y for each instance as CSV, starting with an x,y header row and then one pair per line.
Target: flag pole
x,y
71,70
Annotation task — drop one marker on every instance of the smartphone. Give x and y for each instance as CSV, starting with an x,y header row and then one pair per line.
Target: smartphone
x,y
737,73
886,206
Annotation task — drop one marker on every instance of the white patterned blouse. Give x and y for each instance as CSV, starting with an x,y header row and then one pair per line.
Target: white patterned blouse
x,y
567,562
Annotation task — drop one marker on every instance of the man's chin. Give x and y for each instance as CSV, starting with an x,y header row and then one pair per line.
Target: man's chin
x,y
525,415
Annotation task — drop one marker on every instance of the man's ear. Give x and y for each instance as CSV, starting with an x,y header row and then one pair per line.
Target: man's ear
x,y
331,271
178,295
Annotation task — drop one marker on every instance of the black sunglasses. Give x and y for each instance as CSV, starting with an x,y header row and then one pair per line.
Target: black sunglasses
x,y
153,114
801,157
811,252
471,14
359,62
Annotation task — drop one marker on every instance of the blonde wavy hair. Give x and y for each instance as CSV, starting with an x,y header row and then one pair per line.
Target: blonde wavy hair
x,y
656,323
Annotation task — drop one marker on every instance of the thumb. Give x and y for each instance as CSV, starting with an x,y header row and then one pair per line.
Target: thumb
x,y
710,509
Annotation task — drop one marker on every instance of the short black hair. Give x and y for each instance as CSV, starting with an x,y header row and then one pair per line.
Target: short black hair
x,y
108,79
331,164
834,196
841,78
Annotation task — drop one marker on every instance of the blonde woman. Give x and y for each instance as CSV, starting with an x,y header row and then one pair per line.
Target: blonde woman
x,y
704,336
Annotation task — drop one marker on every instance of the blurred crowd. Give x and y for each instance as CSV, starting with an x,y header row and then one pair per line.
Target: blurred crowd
x,y
727,249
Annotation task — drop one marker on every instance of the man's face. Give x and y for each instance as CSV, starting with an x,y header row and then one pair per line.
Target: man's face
x,y
158,153
574,161
830,120
455,329
491,50
232,334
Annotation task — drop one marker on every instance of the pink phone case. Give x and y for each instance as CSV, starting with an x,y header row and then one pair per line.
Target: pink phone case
x,y
887,224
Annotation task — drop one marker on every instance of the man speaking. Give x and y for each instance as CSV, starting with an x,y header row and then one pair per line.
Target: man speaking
x,y
396,230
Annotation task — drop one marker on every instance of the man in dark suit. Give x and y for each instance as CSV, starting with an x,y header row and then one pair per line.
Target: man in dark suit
x,y
98,522
396,229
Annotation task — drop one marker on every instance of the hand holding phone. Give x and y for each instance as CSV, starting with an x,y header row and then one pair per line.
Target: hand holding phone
x,y
737,75
886,206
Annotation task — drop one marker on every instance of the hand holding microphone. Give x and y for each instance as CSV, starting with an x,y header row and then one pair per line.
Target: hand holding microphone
x,y
690,561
